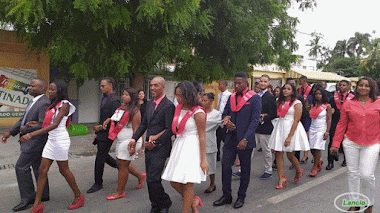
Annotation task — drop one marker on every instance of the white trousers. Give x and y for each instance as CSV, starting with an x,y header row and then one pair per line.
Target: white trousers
x,y
361,164
264,141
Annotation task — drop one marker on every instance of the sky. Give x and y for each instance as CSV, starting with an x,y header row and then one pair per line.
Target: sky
x,y
336,20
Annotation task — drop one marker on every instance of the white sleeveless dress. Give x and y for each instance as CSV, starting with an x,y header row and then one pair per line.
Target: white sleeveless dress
x,y
124,137
58,143
317,130
281,131
184,161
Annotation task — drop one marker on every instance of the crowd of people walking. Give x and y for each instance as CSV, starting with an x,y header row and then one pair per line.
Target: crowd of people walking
x,y
182,140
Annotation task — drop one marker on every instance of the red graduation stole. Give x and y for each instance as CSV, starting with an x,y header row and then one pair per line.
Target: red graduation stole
x,y
314,111
178,129
115,129
346,96
49,114
308,89
237,107
283,109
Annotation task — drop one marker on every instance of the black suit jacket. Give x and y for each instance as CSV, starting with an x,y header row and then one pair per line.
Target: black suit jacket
x,y
154,122
36,113
112,103
336,116
305,113
246,121
268,106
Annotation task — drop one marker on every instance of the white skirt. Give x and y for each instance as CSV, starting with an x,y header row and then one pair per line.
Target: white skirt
x,y
211,161
184,161
57,146
316,138
122,152
281,131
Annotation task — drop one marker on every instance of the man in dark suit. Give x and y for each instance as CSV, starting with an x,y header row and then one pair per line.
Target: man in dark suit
x,y
265,127
340,97
241,117
110,102
157,123
31,150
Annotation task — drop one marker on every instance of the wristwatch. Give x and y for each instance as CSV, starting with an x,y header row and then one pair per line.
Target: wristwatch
x,y
245,140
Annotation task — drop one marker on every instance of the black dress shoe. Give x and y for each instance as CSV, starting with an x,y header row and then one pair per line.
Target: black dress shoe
x,y
96,187
304,161
222,201
344,164
164,210
154,210
21,206
239,203
329,166
207,191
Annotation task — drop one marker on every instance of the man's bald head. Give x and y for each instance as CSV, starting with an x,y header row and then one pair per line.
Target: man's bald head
x,y
42,83
37,87
159,80
157,87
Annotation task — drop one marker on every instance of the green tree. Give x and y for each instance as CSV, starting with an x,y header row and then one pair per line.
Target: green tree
x,y
109,37
350,66
93,38
371,63
357,43
243,32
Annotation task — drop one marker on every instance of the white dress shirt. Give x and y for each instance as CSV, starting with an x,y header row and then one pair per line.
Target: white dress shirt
x,y
262,93
222,100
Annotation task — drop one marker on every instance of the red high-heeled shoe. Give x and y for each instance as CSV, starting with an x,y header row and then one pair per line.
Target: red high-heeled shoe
x,y
313,173
298,179
142,182
284,183
319,168
78,202
38,209
200,203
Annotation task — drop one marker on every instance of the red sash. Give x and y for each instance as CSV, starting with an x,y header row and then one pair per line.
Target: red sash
x,y
49,114
237,107
115,129
178,129
314,111
283,109
308,89
346,96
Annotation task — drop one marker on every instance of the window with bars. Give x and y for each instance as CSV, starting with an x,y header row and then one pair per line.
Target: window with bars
x,y
121,83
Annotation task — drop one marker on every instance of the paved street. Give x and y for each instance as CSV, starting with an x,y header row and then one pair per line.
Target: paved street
x,y
310,195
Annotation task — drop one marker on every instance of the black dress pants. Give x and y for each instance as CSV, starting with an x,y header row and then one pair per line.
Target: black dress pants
x,y
154,166
24,175
102,157
229,156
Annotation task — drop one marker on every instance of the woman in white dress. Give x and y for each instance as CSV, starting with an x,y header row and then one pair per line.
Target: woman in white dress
x,y
187,163
288,134
57,145
213,121
124,122
320,114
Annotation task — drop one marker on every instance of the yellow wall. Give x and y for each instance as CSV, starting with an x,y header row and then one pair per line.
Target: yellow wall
x,y
15,54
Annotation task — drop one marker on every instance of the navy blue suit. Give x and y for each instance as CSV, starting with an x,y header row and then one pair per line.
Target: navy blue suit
x,y
246,121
